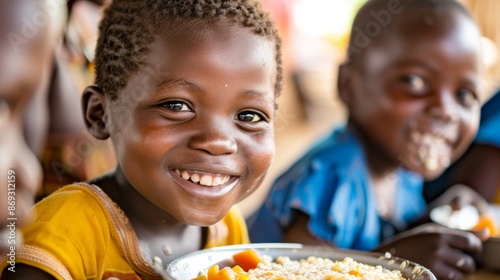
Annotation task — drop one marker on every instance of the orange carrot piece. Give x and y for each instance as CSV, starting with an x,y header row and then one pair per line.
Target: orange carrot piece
x,y
213,272
226,274
238,269
242,275
486,221
354,273
247,259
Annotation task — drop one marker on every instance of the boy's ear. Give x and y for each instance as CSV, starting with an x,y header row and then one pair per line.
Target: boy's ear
x,y
344,83
94,112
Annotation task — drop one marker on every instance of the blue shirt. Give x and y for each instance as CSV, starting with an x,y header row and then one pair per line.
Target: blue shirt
x,y
331,185
489,127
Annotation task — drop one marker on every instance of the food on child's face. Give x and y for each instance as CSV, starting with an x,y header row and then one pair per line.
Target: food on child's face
x,y
263,267
433,151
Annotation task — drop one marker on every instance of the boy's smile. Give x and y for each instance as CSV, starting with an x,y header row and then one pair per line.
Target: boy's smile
x,y
193,128
416,98
204,179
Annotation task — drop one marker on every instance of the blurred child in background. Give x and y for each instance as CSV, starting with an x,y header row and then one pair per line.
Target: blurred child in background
x,y
55,128
193,135
29,31
412,89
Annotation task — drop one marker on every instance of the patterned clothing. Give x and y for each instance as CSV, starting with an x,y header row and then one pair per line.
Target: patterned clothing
x,y
331,185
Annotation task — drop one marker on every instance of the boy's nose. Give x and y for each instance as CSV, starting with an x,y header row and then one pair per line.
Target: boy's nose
x,y
215,138
444,106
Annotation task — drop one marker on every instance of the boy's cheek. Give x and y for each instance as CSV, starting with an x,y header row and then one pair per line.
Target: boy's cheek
x,y
266,151
470,125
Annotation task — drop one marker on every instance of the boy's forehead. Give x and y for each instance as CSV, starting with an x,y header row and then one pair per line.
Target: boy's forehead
x,y
375,27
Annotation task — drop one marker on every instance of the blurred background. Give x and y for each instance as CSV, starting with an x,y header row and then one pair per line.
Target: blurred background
x,y
315,35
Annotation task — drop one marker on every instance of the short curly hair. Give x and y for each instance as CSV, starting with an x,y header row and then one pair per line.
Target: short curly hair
x,y
366,18
128,27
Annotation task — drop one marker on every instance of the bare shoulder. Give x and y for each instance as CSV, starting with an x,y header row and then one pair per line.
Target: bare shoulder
x,y
23,271
298,232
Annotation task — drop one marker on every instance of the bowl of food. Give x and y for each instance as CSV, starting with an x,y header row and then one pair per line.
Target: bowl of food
x,y
469,218
293,261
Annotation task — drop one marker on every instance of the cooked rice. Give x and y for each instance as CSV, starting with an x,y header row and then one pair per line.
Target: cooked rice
x,y
314,268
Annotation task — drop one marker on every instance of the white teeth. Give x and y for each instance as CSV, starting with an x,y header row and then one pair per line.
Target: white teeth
x,y
216,181
206,180
195,178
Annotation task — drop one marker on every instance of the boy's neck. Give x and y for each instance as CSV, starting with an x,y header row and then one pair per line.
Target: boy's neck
x,y
382,172
136,207
379,164
155,228
159,233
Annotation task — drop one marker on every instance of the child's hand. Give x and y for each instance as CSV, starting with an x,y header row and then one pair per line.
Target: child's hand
x,y
446,252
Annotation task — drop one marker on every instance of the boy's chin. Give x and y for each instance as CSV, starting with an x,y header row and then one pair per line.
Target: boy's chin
x,y
432,174
428,167
427,173
201,218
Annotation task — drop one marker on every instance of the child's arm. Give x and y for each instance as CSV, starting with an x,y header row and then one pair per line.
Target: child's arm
x,y
298,232
478,169
26,272
446,252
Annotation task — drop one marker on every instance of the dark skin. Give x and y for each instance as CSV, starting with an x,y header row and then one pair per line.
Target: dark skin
x,y
198,113
478,169
416,80
203,137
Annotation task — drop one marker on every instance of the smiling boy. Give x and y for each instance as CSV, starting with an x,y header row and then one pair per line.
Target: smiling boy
x,y
186,92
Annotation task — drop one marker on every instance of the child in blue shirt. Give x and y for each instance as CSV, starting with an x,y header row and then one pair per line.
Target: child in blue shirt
x,y
411,86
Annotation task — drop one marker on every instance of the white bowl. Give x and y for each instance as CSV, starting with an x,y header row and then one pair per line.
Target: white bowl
x,y
189,266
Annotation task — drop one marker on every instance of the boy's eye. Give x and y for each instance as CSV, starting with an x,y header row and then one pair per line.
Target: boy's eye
x,y
176,106
251,117
466,97
416,82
